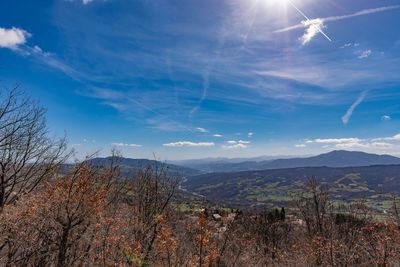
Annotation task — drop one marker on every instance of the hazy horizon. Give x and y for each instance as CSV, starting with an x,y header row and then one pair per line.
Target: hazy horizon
x,y
238,159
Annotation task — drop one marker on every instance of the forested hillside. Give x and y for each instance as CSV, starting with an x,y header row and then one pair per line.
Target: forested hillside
x,y
270,188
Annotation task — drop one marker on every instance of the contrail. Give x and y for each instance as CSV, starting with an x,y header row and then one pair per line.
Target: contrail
x,y
335,18
315,25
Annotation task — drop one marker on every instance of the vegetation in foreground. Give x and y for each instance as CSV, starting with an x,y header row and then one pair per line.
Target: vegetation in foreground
x,y
92,216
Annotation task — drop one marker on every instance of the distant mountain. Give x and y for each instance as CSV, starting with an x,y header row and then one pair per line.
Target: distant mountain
x,y
130,166
337,158
268,188
227,164
221,160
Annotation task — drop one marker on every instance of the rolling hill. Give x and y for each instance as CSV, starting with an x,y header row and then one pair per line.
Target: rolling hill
x,y
268,188
130,166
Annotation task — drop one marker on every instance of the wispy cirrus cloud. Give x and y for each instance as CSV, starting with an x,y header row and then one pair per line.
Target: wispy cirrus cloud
x,y
189,144
16,40
206,84
300,145
346,117
297,73
126,145
85,2
313,26
217,135
335,18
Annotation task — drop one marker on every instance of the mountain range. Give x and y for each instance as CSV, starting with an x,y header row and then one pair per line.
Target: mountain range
x,y
269,183
189,168
336,158
130,166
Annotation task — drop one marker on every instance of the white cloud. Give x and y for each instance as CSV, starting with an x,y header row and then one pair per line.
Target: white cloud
x,y
382,145
346,45
202,130
349,112
12,38
217,135
314,26
187,143
250,134
232,142
300,145
37,49
356,44
377,145
365,54
128,145
352,145
335,140
391,138
85,2
235,146
386,118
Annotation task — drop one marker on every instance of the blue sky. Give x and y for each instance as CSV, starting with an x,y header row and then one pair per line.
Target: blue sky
x,y
193,79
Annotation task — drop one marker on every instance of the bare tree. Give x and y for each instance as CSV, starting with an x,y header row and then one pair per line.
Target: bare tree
x,y
151,192
313,205
69,222
27,154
